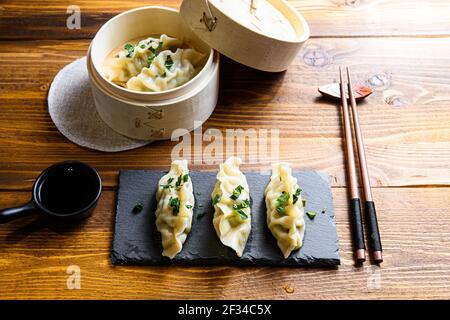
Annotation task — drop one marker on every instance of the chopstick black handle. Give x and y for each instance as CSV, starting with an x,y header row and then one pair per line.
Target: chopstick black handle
x,y
371,216
358,232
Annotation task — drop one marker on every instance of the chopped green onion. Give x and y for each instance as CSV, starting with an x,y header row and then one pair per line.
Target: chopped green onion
x,y
216,199
153,50
311,214
169,62
168,185
138,207
188,206
150,59
296,195
175,204
242,214
178,183
181,178
244,204
304,203
282,202
237,192
130,49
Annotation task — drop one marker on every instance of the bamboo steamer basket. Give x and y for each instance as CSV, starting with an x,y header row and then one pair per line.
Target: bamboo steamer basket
x,y
210,27
151,115
232,31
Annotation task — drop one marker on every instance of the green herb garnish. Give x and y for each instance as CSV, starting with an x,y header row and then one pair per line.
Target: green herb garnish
x,y
244,204
282,202
304,203
188,206
175,204
237,192
216,199
150,59
138,207
142,46
296,195
182,178
130,49
311,214
168,184
153,50
178,183
239,206
242,214
169,62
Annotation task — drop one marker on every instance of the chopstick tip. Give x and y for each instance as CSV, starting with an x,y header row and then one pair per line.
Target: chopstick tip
x,y
378,256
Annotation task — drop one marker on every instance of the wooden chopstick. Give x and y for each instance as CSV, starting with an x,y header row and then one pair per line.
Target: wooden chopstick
x,y
369,205
355,202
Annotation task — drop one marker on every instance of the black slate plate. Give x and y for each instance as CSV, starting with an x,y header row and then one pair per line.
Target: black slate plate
x,y
137,241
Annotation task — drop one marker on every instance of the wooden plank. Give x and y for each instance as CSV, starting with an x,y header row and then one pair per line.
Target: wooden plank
x,y
414,223
405,121
327,18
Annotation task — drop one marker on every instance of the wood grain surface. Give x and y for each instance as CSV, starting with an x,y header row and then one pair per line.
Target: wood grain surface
x,y
327,18
405,122
35,257
401,48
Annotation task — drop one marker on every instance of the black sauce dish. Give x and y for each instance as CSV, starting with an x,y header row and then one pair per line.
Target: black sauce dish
x,y
66,191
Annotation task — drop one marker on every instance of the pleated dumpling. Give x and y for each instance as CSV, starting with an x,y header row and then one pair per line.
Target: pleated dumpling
x,y
175,206
168,70
134,58
231,200
285,209
154,65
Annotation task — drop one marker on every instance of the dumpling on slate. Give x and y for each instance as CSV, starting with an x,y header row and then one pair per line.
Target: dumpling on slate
x,y
175,206
231,200
285,209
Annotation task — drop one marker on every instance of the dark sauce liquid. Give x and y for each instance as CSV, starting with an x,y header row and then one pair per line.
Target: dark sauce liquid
x,y
68,189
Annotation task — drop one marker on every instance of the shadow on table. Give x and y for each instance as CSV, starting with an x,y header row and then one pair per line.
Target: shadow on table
x,y
21,229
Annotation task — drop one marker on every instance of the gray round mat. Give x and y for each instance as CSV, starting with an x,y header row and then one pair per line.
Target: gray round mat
x,y
71,107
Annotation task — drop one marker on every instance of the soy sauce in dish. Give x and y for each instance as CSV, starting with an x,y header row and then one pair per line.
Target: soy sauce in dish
x,y
68,189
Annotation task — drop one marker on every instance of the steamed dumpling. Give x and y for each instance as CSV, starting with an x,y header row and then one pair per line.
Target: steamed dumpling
x,y
167,71
231,200
175,206
155,65
285,209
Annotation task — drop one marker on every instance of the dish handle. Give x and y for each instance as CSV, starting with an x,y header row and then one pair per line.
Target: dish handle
x,y
9,214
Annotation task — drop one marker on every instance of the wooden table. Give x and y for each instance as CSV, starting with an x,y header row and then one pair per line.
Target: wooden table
x,y
399,47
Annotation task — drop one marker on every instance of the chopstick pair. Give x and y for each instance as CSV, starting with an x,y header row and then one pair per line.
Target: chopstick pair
x,y
355,202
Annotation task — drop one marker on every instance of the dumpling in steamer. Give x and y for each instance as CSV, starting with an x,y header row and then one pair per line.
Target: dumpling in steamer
x,y
154,65
285,209
231,200
167,71
175,206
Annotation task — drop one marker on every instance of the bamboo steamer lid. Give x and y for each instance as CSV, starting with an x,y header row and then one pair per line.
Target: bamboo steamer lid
x,y
262,34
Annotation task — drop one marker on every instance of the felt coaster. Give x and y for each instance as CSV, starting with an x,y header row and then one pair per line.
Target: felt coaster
x,y
72,109
138,242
